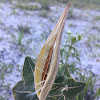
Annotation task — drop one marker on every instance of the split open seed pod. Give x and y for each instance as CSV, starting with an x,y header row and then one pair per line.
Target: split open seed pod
x,y
48,60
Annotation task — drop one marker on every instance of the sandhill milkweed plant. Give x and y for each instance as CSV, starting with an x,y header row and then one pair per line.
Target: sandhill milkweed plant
x,y
45,79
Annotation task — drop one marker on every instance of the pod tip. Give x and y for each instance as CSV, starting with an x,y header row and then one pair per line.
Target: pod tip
x,y
68,4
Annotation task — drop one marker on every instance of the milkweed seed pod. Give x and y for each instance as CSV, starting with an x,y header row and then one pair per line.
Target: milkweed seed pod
x,y
48,60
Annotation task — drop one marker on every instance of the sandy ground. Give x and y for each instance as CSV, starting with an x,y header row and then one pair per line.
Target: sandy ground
x,y
82,22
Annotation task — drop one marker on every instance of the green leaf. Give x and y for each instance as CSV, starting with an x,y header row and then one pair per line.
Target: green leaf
x,y
62,80
61,52
86,87
73,40
79,37
21,92
24,90
97,94
63,70
56,97
74,88
28,71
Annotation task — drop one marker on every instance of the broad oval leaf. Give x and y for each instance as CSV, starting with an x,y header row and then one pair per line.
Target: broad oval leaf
x,y
28,71
21,92
74,88
63,71
73,40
